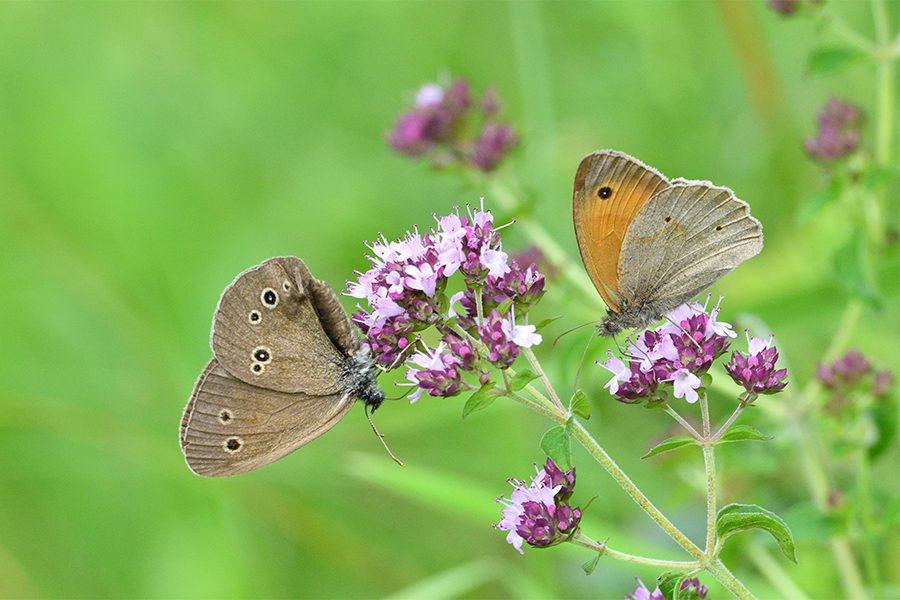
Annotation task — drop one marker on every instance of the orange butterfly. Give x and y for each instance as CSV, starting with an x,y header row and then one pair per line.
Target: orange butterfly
x,y
650,244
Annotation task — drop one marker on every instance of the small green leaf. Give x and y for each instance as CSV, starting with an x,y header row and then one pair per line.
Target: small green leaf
x,y
673,443
546,322
521,379
503,307
669,584
832,59
580,405
480,400
739,433
591,565
736,518
819,200
884,417
557,444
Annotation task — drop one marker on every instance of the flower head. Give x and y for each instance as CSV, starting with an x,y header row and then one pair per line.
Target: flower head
x,y
692,589
756,371
434,372
437,125
538,513
643,593
839,129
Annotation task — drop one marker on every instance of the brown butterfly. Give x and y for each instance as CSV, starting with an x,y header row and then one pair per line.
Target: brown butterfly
x,y
287,366
650,244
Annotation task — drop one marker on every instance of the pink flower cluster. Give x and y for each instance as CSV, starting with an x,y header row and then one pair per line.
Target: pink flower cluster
x,y
682,351
406,292
538,513
679,352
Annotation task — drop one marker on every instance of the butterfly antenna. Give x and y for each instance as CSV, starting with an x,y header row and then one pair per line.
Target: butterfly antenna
x,y
408,390
568,331
381,437
583,356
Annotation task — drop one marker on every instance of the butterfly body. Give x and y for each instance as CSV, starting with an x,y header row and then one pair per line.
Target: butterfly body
x,y
287,366
650,244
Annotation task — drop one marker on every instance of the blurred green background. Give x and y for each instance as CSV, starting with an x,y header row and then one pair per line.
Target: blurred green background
x,y
151,151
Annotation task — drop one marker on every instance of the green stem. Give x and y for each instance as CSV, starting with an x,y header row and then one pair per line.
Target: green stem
x,y
718,570
580,539
536,365
725,426
709,462
869,539
772,570
681,421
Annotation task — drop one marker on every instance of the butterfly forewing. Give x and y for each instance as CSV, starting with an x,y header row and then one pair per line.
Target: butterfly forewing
x,y
267,332
610,188
682,240
231,427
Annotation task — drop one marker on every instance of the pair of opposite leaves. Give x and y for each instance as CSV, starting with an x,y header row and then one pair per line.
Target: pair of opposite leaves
x,y
288,362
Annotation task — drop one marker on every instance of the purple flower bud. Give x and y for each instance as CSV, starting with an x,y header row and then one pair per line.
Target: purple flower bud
x,y
839,131
436,374
490,103
554,476
851,367
492,144
411,133
756,371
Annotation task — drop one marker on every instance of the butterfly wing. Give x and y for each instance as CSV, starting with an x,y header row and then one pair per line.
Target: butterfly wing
x,y
610,188
267,331
231,427
333,318
683,239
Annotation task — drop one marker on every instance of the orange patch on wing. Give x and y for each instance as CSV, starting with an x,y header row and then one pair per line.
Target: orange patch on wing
x,y
610,187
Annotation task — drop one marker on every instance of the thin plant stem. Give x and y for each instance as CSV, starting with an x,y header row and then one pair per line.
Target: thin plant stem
x,y
868,542
709,462
681,421
580,539
772,570
727,424
734,585
536,365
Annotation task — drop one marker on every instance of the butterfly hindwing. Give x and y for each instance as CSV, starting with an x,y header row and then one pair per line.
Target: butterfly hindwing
x,y
231,427
682,240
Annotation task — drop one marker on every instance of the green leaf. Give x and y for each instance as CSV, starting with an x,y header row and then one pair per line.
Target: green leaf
x,y
546,322
480,399
557,444
521,379
502,308
669,584
739,433
885,420
819,200
580,405
736,518
832,59
673,443
591,565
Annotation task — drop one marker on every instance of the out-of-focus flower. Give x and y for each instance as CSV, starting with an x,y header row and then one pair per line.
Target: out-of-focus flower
x,y
839,131
643,593
492,144
756,371
784,7
882,383
538,513
438,125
